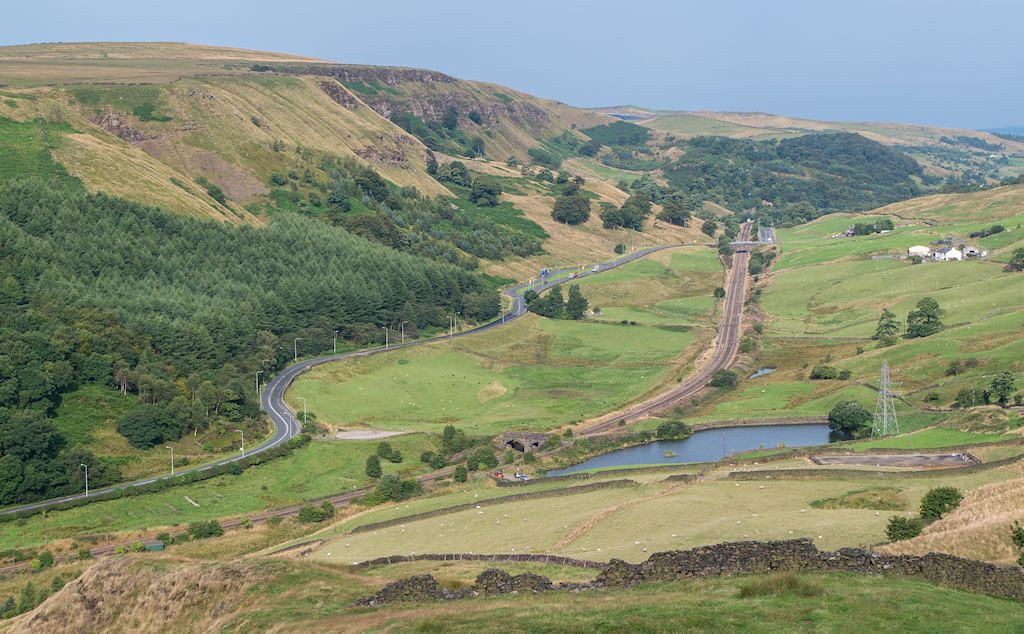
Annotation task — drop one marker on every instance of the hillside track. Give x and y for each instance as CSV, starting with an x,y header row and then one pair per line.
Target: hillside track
x,y
725,347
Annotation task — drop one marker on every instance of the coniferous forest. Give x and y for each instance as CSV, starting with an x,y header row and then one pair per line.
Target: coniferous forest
x,y
180,312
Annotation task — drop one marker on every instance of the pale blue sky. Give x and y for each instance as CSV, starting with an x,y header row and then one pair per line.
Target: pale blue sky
x,y
939,62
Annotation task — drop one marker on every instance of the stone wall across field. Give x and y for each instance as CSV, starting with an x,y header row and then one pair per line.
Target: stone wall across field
x,y
734,558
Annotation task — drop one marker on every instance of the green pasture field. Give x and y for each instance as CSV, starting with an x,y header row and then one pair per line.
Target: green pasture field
x,y
632,523
535,373
315,471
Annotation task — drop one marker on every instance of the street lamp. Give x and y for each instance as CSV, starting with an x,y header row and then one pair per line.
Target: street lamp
x,y
386,341
86,467
243,441
450,327
172,458
258,373
296,342
303,410
335,342
402,326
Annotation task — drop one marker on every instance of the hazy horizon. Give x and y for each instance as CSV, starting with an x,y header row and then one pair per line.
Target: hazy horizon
x,y
909,63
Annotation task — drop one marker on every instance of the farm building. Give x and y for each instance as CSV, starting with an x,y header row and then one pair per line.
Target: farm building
x,y
949,253
974,252
919,250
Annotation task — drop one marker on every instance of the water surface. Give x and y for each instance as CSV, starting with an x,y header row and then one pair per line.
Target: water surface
x,y
707,446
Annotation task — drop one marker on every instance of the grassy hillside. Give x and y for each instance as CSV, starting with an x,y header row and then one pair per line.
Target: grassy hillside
x,y
176,593
822,299
945,152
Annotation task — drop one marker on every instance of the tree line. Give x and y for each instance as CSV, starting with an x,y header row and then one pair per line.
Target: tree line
x,y
181,313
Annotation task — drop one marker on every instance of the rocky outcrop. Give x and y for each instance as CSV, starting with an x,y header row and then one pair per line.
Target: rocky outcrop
x,y
118,125
737,558
339,94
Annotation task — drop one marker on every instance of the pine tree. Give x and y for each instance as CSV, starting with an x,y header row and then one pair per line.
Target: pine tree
x,y
576,306
888,328
373,467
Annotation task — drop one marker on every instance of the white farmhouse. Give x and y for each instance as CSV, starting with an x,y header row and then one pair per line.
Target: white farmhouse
x,y
919,251
949,253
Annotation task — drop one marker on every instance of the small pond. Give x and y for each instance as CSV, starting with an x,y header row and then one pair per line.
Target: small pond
x,y
761,372
708,445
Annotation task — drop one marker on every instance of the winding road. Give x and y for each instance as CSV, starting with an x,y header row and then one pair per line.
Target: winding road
x,y
287,425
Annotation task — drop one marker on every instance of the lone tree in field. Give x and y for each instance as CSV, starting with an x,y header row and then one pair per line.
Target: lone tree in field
x,y
940,501
719,292
901,528
888,328
925,320
1002,387
572,210
849,418
485,192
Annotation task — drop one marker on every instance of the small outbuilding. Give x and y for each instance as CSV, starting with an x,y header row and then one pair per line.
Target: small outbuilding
x,y
919,250
974,252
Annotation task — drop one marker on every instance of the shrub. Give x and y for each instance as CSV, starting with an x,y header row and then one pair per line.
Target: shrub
x,y
620,248
312,514
529,458
724,379
392,489
56,583
461,475
84,554
844,375
900,528
823,373
138,547
373,469
672,429
204,530
389,453
45,558
165,539
719,292
849,418
939,501
485,192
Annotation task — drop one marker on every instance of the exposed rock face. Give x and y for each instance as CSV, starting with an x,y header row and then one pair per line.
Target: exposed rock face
x,y
389,150
339,94
118,125
429,105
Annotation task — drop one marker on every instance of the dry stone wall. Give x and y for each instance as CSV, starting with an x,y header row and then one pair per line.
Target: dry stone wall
x,y
734,558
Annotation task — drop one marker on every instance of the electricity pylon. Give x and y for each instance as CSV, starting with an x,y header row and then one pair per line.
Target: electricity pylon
x,y
885,407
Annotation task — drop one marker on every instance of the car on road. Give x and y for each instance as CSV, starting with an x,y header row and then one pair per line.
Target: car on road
x,y
595,268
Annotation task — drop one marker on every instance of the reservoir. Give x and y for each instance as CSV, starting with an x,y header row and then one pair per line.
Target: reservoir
x,y
708,445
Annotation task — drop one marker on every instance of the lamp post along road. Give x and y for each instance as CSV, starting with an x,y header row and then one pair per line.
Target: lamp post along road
x,y
402,327
86,467
172,458
335,342
258,373
243,441
450,328
296,342
387,344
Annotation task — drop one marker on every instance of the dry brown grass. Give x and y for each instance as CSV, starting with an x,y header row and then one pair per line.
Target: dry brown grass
x,y
979,529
